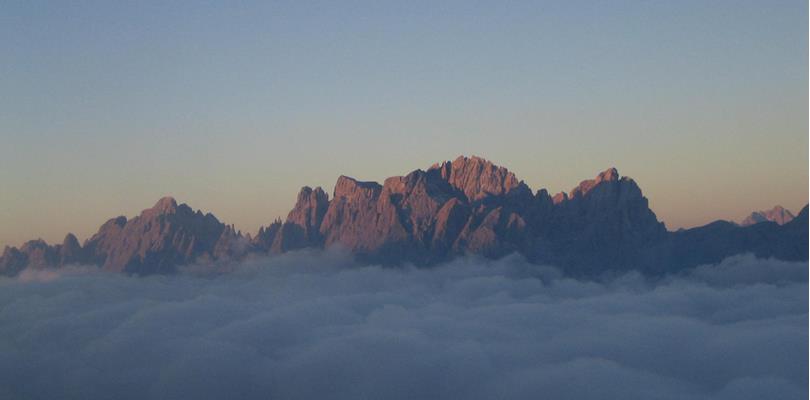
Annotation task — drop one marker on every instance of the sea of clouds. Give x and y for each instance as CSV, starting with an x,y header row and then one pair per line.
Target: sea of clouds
x,y
315,325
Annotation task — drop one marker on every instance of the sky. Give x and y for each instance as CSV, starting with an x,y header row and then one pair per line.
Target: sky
x,y
231,107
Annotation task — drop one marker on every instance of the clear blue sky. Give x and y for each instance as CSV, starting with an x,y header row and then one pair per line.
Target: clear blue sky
x,y
107,106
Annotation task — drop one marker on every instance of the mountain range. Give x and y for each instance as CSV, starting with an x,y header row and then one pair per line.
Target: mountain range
x,y
465,206
777,214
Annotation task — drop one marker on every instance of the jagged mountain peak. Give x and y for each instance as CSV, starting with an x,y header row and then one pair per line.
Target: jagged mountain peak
x,y
348,187
160,238
307,191
608,176
477,177
33,244
468,205
70,240
777,214
301,229
168,207
165,205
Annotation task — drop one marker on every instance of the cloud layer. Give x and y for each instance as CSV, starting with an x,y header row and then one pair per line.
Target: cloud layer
x,y
314,325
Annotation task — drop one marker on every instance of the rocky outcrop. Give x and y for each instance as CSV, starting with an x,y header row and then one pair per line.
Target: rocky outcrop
x,y
264,239
12,261
470,205
451,219
363,219
71,251
37,254
477,178
427,216
302,227
160,239
467,205
602,221
777,214
230,245
491,232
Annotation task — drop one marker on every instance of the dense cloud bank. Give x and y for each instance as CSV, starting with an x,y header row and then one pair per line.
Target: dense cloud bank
x,y
313,325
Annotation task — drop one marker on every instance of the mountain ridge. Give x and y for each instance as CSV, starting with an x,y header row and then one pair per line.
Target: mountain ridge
x,y
777,214
465,206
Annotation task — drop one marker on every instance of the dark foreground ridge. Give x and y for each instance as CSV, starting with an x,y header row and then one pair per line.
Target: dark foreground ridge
x,y
465,206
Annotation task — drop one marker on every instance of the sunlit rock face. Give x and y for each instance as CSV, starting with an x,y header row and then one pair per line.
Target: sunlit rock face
x,y
160,239
778,214
301,227
465,206
37,254
477,178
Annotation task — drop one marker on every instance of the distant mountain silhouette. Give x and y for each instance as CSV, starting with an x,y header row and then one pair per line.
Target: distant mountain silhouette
x,y
468,205
777,214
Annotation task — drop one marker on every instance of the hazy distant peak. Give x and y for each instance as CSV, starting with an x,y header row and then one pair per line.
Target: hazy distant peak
x,y
777,214
34,244
71,240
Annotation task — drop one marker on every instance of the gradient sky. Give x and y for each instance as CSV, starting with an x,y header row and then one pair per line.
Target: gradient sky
x,y
107,106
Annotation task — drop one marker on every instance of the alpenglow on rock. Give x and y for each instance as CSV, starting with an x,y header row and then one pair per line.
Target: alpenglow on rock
x,y
777,214
465,206
157,241
161,238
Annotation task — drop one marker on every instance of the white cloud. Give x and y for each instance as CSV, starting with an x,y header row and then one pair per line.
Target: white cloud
x,y
314,325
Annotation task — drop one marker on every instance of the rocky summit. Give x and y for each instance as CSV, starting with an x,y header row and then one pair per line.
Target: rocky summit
x,y
778,215
465,206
